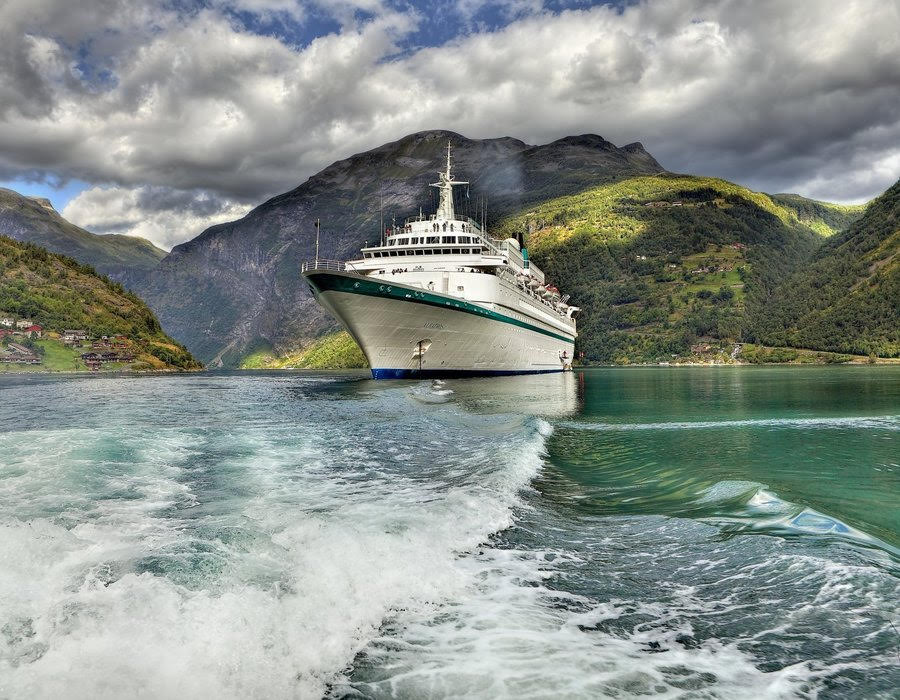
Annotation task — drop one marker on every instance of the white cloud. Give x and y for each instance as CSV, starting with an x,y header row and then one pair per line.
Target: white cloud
x,y
159,214
782,96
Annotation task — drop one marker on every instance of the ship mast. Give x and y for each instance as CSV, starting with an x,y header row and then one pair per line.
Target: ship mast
x,y
445,188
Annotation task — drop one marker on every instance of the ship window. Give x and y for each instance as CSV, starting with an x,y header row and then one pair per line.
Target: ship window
x,y
419,252
414,240
433,239
465,251
393,253
404,241
446,251
449,239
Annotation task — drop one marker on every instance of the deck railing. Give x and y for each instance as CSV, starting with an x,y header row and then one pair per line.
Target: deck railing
x,y
321,264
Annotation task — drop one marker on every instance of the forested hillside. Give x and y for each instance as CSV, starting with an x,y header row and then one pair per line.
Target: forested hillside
x,y
660,263
848,298
826,218
59,293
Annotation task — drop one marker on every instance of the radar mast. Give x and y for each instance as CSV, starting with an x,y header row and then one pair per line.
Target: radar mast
x,y
445,187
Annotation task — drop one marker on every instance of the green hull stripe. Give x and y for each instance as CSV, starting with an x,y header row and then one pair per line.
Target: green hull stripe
x,y
326,282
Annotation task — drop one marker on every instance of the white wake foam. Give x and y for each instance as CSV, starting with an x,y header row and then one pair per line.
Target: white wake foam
x,y
258,571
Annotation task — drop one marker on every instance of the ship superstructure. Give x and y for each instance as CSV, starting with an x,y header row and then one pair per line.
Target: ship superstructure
x,y
439,297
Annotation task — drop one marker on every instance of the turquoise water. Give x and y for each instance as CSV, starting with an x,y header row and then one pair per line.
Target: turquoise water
x,y
670,532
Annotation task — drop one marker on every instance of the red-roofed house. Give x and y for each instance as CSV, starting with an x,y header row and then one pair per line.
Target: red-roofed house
x,y
36,329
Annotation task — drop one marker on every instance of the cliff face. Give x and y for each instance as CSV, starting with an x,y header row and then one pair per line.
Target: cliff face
x,y
237,286
32,220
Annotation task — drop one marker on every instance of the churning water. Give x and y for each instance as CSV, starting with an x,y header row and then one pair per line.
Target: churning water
x,y
650,532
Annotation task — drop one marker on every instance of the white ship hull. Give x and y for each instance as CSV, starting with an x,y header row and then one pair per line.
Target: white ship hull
x,y
405,331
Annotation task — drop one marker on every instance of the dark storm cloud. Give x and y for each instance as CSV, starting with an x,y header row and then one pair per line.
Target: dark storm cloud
x,y
183,110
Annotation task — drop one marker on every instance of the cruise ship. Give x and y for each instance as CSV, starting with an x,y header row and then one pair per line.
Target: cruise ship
x,y
438,297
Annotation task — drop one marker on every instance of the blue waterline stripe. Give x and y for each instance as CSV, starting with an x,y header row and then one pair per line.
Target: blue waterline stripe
x,y
324,281
387,373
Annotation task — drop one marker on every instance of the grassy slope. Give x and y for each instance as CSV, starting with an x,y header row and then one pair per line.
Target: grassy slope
x,y
848,298
333,351
638,272
25,219
59,293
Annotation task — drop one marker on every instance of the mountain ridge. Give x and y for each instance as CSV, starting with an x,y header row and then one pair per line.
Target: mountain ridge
x,y
34,220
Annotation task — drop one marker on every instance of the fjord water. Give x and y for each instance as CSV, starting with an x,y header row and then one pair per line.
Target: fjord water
x,y
665,532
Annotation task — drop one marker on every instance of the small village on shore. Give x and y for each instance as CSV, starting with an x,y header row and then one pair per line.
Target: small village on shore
x,y
27,344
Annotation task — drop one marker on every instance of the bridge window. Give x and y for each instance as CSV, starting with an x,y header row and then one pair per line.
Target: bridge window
x,y
433,239
448,239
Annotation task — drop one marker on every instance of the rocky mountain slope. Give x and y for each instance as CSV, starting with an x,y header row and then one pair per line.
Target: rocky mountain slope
x,y
848,298
58,293
122,258
663,264
236,289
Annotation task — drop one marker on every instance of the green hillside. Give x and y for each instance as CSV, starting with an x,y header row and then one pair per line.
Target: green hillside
x,y
59,293
30,220
331,351
660,263
848,298
825,218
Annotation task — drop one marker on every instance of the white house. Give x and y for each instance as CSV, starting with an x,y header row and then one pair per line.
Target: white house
x,y
6,321
24,323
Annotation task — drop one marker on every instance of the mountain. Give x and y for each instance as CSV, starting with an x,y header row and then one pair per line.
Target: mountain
x,y
660,264
236,288
847,299
58,293
123,258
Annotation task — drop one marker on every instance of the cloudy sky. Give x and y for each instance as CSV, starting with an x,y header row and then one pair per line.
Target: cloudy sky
x,y
161,118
